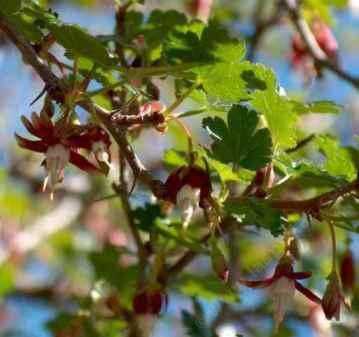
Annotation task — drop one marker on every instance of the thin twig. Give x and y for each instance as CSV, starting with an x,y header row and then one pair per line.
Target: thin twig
x,y
314,49
301,143
58,90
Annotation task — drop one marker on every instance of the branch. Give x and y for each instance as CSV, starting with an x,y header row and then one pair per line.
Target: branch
x,y
301,143
314,204
314,49
58,90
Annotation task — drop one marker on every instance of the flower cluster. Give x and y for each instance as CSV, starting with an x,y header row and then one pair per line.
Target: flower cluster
x,y
61,142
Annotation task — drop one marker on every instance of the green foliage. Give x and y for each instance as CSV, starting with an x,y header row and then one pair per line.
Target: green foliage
x,y
7,278
277,110
257,212
10,7
239,142
338,161
250,124
195,325
317,107
208,287
79,42
145,217
106,264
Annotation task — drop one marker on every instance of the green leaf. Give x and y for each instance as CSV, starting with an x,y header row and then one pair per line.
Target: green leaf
x,y
195,326
200,44
337,3
317,107
208,287
61,321
257,212
106,266
79,42
7,278
159,25
278,111
9,7
338,161
239,142
174,158
133,25
145,217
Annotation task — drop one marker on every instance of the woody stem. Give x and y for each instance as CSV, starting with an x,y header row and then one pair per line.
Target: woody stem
x,y
334,246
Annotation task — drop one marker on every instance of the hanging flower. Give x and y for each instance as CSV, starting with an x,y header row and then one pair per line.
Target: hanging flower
x,y
347,271
282,286
188,187
332,298
148,305
60,143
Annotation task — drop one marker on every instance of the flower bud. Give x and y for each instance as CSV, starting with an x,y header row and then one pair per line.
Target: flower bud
x,y
200,8
347,271
332,298
219,263
149,302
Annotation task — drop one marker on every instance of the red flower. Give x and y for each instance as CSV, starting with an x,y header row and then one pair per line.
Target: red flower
x,y
347,271
60,143
332,298
150,302
188,187
282,286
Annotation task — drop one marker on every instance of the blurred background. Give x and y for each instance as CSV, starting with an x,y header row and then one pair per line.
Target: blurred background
x,y
44,246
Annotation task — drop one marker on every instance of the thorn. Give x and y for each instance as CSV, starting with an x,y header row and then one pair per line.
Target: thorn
x,y
133,186
42,92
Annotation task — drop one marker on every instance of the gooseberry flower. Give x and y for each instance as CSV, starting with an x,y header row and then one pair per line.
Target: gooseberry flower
x,y
188,187
282,286
60,143
347,271
148,305
332,298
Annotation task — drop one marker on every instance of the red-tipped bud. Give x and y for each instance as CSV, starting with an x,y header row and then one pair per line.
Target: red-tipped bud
x,y
149,302
347,271
201,9
332,298
219,263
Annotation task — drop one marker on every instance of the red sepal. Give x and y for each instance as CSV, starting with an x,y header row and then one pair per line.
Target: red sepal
x,y
82,163
307,293
33,145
